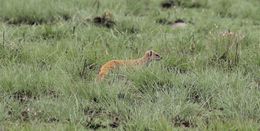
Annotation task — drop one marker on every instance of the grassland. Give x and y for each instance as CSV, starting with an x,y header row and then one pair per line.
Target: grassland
x,y
51,51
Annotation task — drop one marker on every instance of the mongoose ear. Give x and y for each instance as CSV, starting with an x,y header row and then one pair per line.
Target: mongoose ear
x,y
150,53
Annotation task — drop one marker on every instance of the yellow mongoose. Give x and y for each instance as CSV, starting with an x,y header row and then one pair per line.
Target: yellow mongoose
x,y
110,65
227,33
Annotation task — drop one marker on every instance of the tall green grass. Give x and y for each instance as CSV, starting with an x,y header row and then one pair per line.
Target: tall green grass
x,y
51,52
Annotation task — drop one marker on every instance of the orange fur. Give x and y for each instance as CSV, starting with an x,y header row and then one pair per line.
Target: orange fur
x,y
110,65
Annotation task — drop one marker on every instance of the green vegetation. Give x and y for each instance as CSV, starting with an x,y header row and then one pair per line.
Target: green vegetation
x,y
51,51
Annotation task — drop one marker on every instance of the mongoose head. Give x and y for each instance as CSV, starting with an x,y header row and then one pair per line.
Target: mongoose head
x,y
107,15
152,55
